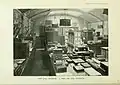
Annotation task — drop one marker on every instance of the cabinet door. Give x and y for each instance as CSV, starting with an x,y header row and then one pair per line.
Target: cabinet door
x,y
21,50
106,55
41,30
90,36
103,52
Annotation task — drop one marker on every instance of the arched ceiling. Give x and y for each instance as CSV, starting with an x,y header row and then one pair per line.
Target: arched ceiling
x,y
90,15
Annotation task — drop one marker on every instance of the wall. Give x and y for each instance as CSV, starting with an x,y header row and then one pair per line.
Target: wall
x,y
82,23
16,16
95,26
22,20
76,23
106,28
37,24
27,25
17,21
56,19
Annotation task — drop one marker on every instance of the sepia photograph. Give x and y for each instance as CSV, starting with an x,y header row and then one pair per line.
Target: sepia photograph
x,y
60,42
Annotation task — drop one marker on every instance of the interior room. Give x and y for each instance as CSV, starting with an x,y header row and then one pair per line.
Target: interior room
x,y
60,42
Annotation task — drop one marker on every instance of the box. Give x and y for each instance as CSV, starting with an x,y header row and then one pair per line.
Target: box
x,y
59,62
85,65
69,60
61,68
92,72
78,68
58,51
76,61
104,66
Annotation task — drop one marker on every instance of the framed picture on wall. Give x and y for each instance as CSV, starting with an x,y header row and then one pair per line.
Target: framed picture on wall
x,y
65,22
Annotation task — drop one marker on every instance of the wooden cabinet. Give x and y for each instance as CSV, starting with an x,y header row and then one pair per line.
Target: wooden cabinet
x,y
104,52
21,50
88,35
42,30
52,36
40,42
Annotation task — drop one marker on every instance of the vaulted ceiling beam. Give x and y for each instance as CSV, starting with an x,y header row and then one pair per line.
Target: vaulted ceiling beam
x,y
37,13
59,14
96,16
88,13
